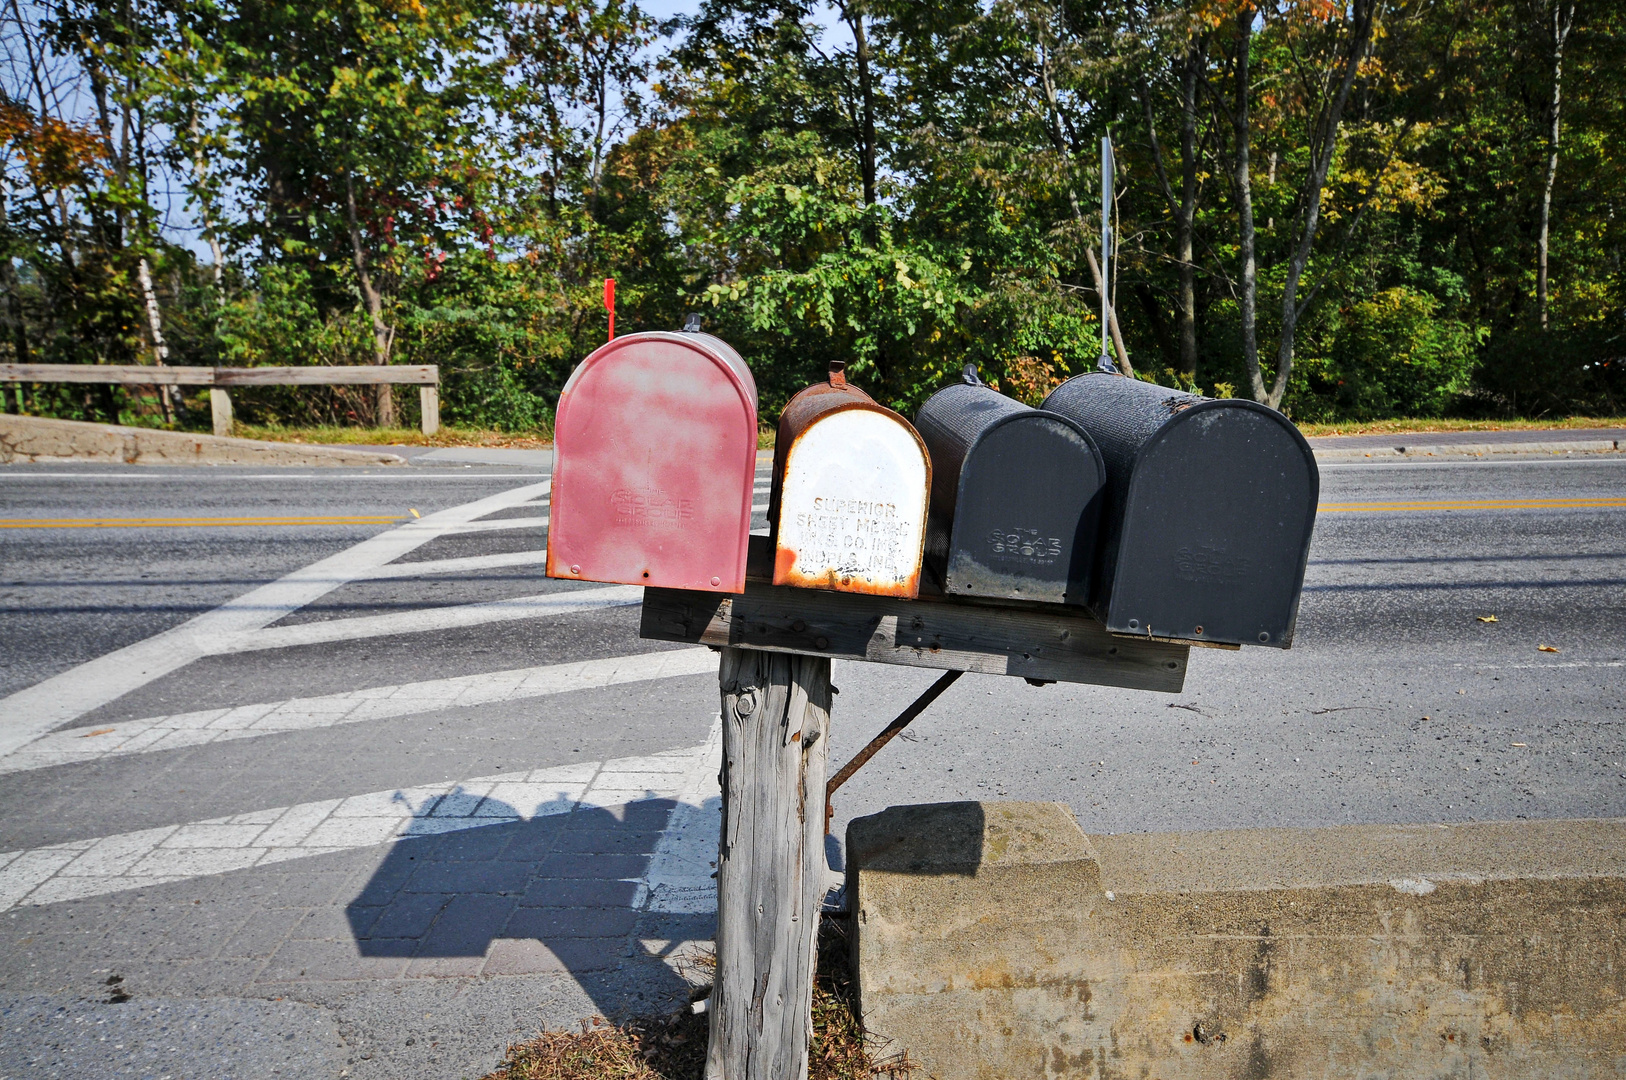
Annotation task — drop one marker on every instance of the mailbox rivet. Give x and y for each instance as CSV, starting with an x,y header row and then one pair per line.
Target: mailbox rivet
x,y
575,569
716,581
822,642
1199,631
798,626
1134,624
1264,637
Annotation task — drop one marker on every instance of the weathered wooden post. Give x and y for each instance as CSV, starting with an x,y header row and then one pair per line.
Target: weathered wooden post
x,y
429,406
220,410
770,866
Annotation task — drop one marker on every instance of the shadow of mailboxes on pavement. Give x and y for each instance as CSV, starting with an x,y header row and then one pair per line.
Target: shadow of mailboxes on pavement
x,y
552,892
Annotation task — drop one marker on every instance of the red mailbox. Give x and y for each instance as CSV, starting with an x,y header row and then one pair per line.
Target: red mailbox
x,y
655,443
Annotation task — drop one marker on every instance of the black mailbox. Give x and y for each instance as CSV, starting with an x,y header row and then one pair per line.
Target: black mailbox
x,y
1209,510
1016,497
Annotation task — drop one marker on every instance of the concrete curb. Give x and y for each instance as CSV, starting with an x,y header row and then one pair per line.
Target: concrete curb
x,y
996,940
33,439
1579,446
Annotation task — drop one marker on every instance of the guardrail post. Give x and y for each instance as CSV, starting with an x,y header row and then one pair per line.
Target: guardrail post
x,y
770,863
429,405
220,410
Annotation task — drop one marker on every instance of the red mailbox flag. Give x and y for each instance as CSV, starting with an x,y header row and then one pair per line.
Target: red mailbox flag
x,y
609,303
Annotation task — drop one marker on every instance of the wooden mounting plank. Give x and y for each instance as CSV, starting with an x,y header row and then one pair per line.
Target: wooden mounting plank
x,y
1031,640
1062,645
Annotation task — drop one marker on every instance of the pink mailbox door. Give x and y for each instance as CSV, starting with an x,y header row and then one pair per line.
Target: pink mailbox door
x,y
655,443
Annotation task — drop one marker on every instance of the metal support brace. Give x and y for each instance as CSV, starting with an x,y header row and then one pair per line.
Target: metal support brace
x,y
904,719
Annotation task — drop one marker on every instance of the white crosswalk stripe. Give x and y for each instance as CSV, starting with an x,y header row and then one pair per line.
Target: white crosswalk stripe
x,y
158,733
61,699
108,864
500,525
424,620
465,565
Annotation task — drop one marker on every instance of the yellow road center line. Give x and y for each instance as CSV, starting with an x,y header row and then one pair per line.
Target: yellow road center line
x,y
186,523
1486,504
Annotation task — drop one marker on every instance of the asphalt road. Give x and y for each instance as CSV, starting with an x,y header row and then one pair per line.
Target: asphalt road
x,y
360,793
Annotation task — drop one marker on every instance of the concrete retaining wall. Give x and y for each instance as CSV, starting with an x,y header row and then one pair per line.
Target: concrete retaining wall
x,y
33,439
996,940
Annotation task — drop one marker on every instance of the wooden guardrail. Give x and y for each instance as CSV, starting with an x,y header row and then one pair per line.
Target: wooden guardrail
x,y
425,376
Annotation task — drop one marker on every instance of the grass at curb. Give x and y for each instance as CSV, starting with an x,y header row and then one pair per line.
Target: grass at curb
x,y
674,1047
362,436
542,439
1396,427
446,436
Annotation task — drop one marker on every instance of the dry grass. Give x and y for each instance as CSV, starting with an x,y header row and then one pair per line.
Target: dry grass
x,y
674,1047
1395,427
362,436
840,1049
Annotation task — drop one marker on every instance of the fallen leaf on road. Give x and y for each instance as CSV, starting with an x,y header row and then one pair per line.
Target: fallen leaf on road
x,y
1546,648
418,515
98,731
1487,618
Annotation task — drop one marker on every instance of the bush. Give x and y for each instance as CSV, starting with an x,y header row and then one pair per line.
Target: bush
x,y
1392,355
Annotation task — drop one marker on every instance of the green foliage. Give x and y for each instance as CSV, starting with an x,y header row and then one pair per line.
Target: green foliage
x,y
450,181
1396,354
277,322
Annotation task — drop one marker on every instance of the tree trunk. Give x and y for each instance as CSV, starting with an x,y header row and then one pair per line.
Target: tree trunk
x,y
866,92
1563,21
603,111
1160,326
155,329
375,304
770,863
14,306
1196,60
202,192
155,320
1244,202
1362,13
1112,313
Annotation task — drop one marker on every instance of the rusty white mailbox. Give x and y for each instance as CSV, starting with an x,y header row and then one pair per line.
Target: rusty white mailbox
x,y
655,443
850,486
